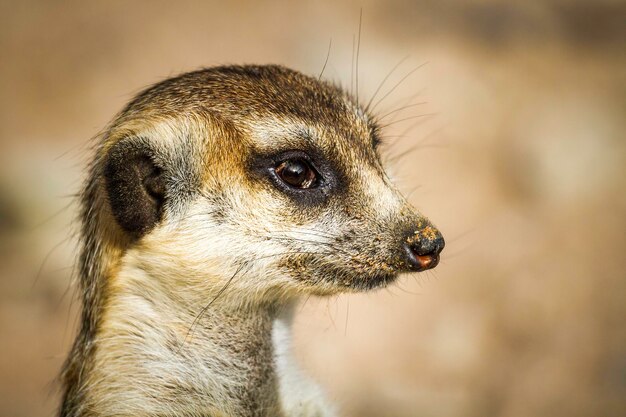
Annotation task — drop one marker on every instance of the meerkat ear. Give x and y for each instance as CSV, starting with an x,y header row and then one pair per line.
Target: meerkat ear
x,y
135,187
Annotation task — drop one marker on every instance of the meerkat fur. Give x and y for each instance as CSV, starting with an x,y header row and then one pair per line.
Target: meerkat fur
x,y
196,246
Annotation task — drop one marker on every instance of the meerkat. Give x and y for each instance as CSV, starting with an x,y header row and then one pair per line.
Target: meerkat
x,y
214,202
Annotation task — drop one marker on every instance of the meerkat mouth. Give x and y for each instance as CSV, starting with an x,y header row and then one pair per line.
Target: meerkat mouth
x,y
427,261
365,281
379,280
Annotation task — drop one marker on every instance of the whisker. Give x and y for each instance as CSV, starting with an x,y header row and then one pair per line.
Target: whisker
x,y
205,308
313,232
45,261
330,315
352,67
406,100
306,300
414,125
358,48
420,145
330,43
367,107
328,244
397,85
419,116
421,103
412,191
404,290
462,235
290,253
191,216
345,329
53,215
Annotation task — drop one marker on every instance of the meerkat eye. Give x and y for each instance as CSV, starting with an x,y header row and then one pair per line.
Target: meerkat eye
x,y
297,173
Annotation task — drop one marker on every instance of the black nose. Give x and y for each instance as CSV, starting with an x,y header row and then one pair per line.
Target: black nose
x,y
423,248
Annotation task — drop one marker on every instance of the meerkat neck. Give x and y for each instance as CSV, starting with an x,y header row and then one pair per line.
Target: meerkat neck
x,y
157,356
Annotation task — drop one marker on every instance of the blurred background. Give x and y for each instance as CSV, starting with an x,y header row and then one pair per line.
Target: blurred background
x,y
510,136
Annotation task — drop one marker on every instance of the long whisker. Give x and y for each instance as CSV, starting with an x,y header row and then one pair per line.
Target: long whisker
x,y
419,116
369,103
345,329
417,147
397,85
205,308
328,244
52,216
358,48
330,44
352,66
420,145
311,232
45,261
295,239
413,126
421,103
406,100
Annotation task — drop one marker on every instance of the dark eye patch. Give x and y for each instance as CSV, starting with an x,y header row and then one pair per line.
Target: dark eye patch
x,y
329,179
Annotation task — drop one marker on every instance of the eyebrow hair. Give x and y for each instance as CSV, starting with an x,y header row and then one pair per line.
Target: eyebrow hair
x,y
306,133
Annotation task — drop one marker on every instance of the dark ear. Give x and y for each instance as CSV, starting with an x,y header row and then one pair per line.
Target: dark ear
x,y
135,186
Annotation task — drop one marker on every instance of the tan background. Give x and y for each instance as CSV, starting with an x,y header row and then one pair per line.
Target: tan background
x,y
522,166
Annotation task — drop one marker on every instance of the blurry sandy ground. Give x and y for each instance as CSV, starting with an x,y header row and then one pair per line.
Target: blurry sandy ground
x,y
522,167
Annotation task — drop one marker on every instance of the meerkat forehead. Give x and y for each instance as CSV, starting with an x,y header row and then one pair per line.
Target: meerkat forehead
x,y
264,100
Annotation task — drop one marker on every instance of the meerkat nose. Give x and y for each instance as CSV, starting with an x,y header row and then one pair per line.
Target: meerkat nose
x,y
423,248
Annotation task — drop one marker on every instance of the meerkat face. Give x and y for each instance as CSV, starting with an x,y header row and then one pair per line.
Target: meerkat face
x,y
260,180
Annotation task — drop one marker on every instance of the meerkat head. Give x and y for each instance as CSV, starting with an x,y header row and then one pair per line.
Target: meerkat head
x,y
258,182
